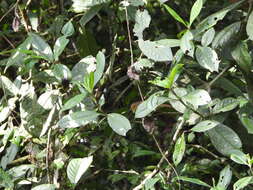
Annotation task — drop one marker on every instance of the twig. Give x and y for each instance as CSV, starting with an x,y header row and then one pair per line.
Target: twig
x,y
9,42
48,155
123,171
9,10
20,160
129,37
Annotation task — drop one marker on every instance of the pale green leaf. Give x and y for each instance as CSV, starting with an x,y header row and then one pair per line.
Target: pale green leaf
x,y
207,58
174,15
78,119
61,72
205,126
142,21
84,5
72,102
179,150
100,59
243,182
196,8
224,139
186,43
89,14
68,29
249,27
77,167
225,177
8,86
119,123
156,50
59,46
193,180
208,37
44,187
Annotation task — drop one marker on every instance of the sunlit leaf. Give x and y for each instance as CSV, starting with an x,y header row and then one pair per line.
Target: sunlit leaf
x,y
119,123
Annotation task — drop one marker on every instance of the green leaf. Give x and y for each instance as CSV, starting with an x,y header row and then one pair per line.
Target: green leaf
x,y
48,99
139,153
225,177
225,105
179,150
143,63
224,139
149,105
119,123
142,21
8,86
243,182
78,119
61,72
89,14
207,58
239,157
249,26
193,180
174,14
242,57
213,19
84,5
226,35
20,171
9,156
196,8
197,98
44,187
245,116
41,47
77,167
68,29
88,82
175,102
72,102
156,50
205,126
100,59
82,67
186,43
208,37
59,46
5,180
175,72
149,184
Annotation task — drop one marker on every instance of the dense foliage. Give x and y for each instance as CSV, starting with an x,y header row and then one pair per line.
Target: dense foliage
x,y
127,94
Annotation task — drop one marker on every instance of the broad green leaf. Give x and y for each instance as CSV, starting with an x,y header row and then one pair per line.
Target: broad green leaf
x,y
156,50
224,139
41,47
68,29
84,5
245,116
174,14
89,14
225,105
207,58
208,37
243,182
77,167
239,157
82,67
9,156
34,20
142,21
44,187
225,177
179,150
61,72
149,105
59,46
205,126
78,119
119,123
6,180
8,86
175,72
137,3
226,35
143,63
186,43
228,86
197,98
72,102
20,171
213,19
249,26
88,82
100,59
175,102
242,57
48,99
196,8
149,184
193,180
17,57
